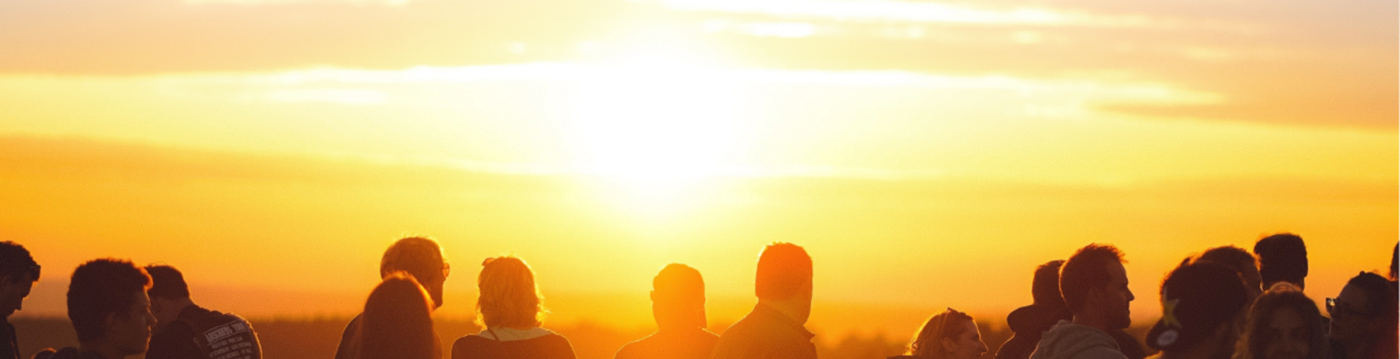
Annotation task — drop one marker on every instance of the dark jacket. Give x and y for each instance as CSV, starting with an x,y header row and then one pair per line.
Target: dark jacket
x,y
199,333
552,346
9,346
765,334
347,348
694,343
1028,324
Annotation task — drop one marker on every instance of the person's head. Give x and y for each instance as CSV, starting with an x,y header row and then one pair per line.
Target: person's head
x,y
785,275
397,321
678,298
168,292
1394,256
509,297
1045,288
1244,264
1094,285
18,272
1282,258
1283,324
1364,311
1200,302
420,257
948,335
108,306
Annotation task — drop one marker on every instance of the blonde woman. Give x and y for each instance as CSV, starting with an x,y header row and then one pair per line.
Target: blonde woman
x,y
510,310
948,335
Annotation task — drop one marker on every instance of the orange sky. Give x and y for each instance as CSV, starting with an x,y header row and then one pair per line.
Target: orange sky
x,y
928,154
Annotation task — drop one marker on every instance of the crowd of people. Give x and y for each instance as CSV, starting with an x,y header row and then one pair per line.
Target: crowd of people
x,y
1224,303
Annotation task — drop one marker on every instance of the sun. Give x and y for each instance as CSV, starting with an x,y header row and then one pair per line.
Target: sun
x,y
655,123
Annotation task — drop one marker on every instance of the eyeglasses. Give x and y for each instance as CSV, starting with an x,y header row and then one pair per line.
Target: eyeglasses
x,y
1341,311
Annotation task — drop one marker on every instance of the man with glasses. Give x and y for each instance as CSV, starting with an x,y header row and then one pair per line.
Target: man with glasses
x,y
420,257
1363,319
18,272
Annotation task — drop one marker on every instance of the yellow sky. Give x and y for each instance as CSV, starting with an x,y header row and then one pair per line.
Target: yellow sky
x,y
928,154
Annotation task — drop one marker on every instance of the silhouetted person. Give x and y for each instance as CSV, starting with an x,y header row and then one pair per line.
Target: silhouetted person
x,y
1028,323
774,329
109,309
397,322
1243,263
948,335
1283,324
1199,303
18,272
420,257
1094,285
1364,319
1394,271
1282,258
678,304
510,308
183,328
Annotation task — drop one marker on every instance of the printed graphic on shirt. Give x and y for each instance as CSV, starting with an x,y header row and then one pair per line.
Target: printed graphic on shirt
x,y
232,340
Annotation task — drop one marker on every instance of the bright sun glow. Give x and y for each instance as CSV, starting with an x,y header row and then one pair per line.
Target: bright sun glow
x,y
656,123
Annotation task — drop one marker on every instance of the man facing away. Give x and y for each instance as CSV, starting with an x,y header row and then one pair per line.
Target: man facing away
x,y
18,272
1282,258
421,257
109,309
187,331
774,329
1094,285
678,304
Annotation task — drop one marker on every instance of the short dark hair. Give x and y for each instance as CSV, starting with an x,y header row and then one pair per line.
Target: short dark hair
x,y
1282,257
783,268
419,256
101,287
15,261
1045,289
1231,256
1380,298
1087,269
167,282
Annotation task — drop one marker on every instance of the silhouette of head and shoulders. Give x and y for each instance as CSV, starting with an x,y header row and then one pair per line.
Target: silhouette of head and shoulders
x,y
109,310
1283,323
18,272
180,323
397,321
1028,323
678,304
775,327
418,256
1094,285
948,335
1363,324
1282,258
511,309
1200,301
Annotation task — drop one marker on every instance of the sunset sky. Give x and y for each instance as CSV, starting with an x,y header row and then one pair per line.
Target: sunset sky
x,y
927,154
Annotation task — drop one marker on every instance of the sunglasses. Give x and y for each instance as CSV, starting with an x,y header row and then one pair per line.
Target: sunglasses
x,y
1337,310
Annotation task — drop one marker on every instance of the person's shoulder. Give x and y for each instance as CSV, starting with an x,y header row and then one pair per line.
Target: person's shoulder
x,y
1099,352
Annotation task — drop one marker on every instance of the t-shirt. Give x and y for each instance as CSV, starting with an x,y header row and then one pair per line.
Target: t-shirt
x,y
765,333
199,333
548,346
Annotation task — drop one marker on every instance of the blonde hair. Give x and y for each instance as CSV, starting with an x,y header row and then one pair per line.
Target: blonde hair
x,y
509,297
928,340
